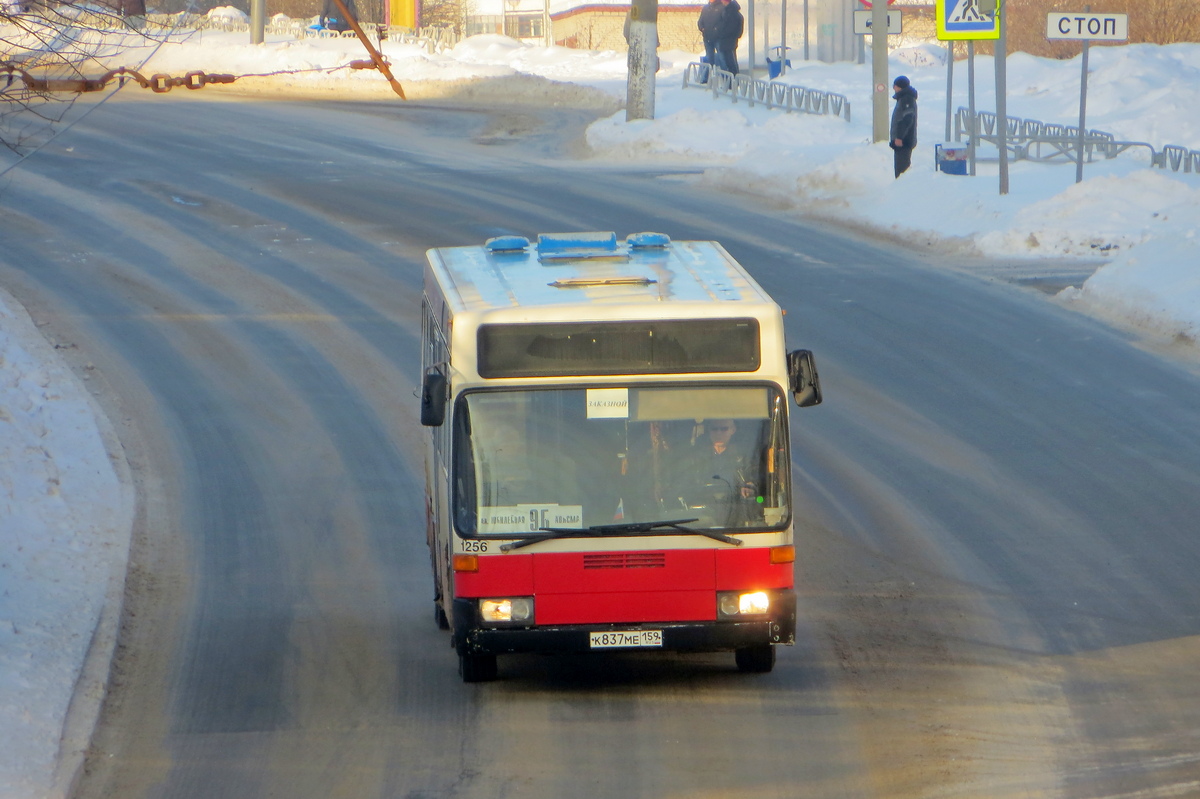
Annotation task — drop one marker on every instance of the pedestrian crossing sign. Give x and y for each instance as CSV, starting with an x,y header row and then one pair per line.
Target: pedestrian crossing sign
x,y
967,19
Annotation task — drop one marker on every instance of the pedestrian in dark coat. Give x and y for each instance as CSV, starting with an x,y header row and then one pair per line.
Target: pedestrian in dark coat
x,y
733,24
904,123
709,23
331,16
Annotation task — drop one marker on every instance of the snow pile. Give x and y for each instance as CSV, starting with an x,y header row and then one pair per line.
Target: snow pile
x,y
64,529
228,13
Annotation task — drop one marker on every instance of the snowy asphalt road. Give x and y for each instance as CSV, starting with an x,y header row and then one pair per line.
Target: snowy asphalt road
x,y
997,580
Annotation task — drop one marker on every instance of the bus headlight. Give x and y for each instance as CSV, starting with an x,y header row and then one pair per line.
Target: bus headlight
x,y
510,610
732,604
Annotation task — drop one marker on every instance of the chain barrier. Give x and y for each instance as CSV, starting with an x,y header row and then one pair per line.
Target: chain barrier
x,y
159,83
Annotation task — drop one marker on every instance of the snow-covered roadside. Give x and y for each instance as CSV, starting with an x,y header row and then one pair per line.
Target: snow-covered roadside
x,y
1138,223
1129,291
66,511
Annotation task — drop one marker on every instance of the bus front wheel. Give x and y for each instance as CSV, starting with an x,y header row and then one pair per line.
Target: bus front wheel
x,y
757,659
477,668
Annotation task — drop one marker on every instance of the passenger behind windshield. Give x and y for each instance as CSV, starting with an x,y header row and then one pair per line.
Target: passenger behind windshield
x,y
709,470
653,483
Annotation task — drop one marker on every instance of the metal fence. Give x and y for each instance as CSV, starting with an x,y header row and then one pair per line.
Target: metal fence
x,y
184,21
1032,140
787,96
434,40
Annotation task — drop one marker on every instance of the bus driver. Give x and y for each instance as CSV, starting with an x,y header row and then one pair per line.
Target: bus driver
x,y
723,468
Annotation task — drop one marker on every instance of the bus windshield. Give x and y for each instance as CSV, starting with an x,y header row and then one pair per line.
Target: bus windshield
x,y
712,454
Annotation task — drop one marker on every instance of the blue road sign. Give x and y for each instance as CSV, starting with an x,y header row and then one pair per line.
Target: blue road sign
x,y
968,19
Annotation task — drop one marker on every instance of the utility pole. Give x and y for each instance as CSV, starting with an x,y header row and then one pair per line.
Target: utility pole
x,y
642,61
783,48
805,30
258,21
750,35
879,70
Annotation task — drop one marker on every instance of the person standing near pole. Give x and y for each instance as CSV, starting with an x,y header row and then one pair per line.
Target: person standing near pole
x,y
709,25
733,24
904,123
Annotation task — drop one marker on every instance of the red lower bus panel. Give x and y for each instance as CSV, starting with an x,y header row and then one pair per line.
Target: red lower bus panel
x,y
624,586
603,572
751,568
629,607
498,575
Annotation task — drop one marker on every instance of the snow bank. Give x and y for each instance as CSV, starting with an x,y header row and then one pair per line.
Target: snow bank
x,y
65,518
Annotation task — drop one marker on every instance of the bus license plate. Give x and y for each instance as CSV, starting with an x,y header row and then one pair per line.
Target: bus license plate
x,y
621,639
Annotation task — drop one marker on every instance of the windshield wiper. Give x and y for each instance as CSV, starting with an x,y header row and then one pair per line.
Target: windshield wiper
x,y
676,524
619,529
548,533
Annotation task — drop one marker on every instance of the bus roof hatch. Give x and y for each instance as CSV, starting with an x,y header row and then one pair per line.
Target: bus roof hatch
x,y
556,246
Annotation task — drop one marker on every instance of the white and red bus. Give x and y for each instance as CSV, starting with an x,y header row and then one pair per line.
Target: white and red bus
x,y
608,461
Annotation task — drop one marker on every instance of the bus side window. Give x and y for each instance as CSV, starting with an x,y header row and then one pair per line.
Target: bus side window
x,y
465,496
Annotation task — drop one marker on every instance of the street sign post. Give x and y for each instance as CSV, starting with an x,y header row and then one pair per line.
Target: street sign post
x,y
879,73
1088,27
862,22
971,20
1002,97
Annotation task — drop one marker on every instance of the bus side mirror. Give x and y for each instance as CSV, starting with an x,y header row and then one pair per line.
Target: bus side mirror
x,y
433,399
802,375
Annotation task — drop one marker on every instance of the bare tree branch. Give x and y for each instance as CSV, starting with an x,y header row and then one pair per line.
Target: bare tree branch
x,y
58,41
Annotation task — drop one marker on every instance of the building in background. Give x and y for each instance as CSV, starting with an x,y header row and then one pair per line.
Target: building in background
x,y
600,26
589,26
